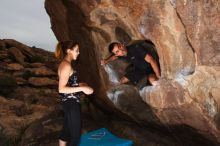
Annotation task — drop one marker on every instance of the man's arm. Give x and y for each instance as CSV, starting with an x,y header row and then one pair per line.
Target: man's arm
x,y
153,64
109,59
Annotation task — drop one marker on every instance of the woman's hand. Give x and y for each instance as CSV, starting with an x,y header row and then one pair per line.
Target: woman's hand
x,y
87,90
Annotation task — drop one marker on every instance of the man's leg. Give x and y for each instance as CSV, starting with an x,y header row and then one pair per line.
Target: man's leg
x,y
133,74
152,78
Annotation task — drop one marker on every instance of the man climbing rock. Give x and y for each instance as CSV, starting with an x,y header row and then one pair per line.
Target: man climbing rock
x,y
143,60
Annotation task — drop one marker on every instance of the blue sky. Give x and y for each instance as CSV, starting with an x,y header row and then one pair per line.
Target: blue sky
x,y
26,21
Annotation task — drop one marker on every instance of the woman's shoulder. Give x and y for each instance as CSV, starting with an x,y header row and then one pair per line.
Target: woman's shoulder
x,y
64,66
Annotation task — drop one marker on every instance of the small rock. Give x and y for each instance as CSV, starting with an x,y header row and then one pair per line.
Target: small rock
x,y
21,81
42,71
19,57
22,47
15,66
36,65
7,60
42,81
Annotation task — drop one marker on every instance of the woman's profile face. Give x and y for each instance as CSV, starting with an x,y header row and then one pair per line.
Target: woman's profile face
x,y
74,52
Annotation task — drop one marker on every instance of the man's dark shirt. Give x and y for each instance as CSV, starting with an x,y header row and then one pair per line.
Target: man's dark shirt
x,y
136,54
139,68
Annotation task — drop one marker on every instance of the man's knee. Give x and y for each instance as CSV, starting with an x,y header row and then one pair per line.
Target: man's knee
x,y
124,80
152,78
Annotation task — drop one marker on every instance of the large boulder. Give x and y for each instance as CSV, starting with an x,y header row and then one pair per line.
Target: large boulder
x,y
15,67
186,36
17,54
24,49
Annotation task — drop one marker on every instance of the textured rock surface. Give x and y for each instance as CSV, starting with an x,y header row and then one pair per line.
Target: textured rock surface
x,y
21,104
202,20
186,35
39,81
41,71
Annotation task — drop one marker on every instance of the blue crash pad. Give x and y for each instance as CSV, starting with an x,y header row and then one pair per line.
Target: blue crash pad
x,y
102,137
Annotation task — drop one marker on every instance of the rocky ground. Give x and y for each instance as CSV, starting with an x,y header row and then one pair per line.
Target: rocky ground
x,y
28,89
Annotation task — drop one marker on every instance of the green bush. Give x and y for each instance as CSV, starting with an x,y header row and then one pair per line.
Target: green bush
x,y
7,85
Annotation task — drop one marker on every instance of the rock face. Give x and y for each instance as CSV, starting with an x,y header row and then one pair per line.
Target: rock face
x,y
187,38
26,86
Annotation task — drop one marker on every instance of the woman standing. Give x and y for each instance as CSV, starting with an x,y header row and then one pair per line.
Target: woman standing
x,y
69,89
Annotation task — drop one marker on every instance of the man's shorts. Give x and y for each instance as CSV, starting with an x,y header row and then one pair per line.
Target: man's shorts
x,y
134,74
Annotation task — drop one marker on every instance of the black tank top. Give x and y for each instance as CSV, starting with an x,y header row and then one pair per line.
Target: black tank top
x,y
72,82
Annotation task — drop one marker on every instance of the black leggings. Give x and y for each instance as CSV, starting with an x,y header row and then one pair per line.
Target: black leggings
x,y
72,123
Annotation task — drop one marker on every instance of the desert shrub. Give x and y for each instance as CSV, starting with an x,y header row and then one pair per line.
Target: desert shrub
x,y
7,85
27,75
37,58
